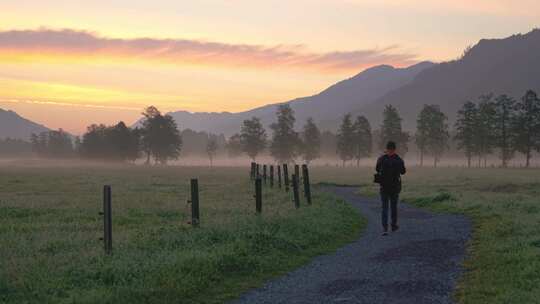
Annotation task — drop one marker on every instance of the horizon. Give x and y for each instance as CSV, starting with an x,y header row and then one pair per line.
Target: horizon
x,y
64,67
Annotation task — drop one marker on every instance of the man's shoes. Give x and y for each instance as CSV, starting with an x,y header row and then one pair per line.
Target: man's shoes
x,y
385,232
395,228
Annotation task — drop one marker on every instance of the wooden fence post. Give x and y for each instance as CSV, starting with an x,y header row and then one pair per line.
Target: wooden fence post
x,y
258,195
296,195
258,171
271,176
286,177
195,219
307,186
297,171
265,174
279,176
107,219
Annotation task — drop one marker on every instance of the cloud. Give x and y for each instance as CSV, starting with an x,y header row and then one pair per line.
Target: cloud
x,y
65,44
67,104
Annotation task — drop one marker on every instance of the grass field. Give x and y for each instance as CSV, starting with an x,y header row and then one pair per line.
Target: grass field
x,y
503,265
50,229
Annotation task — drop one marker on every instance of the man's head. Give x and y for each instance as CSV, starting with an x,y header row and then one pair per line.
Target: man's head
x,y
391,148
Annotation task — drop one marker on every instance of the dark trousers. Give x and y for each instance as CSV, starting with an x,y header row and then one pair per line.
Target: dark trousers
x,y
392,199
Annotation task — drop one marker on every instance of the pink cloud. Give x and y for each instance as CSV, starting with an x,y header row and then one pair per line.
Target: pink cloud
x,y
181,51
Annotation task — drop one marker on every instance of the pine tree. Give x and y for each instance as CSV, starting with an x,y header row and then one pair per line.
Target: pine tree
x,y
285,140
465,130
391,130
484,130
253,137
345,140
526,125
311,141
505,108
363,139
432,133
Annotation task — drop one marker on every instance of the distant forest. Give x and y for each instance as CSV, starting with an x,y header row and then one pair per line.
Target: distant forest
x,y
490,126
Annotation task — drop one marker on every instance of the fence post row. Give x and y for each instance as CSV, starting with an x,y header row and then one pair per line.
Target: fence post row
x,y
258,195
107,219
195,220
307,186
279,176
271,176
252,172
286,177
265,174
295,191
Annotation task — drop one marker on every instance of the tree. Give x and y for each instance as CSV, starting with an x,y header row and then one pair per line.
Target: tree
x,y
160,136
466,130
113,143
211,148
432,133
123,141
94,142
234,146
253,137
363,139
391,130
526,125
285,140
484,128
311,141
345,140
55,144
505,108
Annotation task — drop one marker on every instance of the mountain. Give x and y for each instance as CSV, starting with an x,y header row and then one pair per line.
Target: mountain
x,y
14,126
500,66
328,105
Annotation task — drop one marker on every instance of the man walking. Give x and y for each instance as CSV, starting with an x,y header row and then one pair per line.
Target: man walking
x,y
389,169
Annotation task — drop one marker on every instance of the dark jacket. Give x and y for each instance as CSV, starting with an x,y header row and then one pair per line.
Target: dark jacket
x,y
391,168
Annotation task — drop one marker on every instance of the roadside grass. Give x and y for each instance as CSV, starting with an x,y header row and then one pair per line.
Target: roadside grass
x,y
50,229
503,263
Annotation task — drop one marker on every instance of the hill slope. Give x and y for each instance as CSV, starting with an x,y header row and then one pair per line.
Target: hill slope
x,y
14,126
510,66
328,105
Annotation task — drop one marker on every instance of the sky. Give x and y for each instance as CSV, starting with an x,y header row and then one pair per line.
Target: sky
x,y
70,63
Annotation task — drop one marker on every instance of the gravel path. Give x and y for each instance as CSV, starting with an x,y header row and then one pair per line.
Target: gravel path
x,y
418,264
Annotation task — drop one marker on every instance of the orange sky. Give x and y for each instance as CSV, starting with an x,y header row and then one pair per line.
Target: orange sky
x,y
72,63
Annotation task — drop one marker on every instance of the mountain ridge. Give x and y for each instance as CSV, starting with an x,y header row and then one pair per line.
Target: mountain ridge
x,y
333,101
14,126
500,66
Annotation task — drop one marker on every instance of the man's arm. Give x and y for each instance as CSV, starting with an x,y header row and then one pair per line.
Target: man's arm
x,y
378,168
403,170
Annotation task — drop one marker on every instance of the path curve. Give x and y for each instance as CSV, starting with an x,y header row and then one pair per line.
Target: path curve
x,y
418,264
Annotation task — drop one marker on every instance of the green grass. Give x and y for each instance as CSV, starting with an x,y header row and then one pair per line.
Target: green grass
x,y
503,263
50,229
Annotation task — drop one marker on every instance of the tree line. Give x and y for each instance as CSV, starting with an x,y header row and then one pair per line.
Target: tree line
x,y
499,124
491,124
157,140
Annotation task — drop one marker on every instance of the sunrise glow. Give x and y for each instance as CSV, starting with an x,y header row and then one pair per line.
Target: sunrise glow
x,y
72,64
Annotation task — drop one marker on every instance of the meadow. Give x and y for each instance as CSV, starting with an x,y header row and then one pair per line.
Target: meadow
x,y
503,263
50,230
